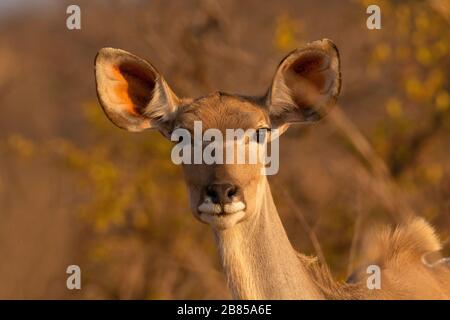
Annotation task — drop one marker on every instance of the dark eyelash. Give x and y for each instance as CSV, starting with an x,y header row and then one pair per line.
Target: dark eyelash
x,y
258,133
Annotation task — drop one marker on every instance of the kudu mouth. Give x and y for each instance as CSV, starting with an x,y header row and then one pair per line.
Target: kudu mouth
x,y
221,216
211,208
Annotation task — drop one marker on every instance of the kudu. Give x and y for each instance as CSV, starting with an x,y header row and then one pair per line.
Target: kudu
x,y
235,199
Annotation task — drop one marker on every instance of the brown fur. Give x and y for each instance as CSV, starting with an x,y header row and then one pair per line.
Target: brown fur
x,y
398,252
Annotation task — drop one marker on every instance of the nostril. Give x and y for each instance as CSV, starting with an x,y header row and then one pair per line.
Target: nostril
x,y
221,193
211,192
231,192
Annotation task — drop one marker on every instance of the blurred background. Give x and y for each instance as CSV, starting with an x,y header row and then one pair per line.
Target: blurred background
x,y
74,189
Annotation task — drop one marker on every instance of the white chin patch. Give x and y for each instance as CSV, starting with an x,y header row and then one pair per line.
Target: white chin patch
x,y
212,214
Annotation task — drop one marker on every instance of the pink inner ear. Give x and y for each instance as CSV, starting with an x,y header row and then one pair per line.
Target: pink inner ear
x,y
135,86
314,67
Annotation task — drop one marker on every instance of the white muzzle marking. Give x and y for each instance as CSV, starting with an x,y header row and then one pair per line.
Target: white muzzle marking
x,y
213,214
233,207
209,207
212,208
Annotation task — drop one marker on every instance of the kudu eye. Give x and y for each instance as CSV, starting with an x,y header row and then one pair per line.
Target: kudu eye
x,y
261,134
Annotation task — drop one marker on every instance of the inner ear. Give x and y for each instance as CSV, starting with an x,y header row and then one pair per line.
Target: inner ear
x,y
132,93
314,67
306,84
309,77
135,86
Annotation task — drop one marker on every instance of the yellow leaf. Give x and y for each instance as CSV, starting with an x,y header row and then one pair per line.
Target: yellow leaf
x,y
394,108
424,56
414,89
434,173
382,52
286,33
442,101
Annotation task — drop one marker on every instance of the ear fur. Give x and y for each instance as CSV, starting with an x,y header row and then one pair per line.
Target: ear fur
x,y
306,84
131,91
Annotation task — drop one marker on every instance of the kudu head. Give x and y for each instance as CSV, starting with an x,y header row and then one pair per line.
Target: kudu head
x,y
136,97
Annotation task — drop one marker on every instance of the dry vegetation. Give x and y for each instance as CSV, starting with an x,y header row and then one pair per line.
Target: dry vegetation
x,y
76,190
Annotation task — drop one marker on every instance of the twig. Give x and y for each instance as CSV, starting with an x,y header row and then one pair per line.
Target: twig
x,y
383,184
356,235
305,225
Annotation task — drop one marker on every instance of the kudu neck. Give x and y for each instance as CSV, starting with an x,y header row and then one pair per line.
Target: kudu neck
x,y
259,260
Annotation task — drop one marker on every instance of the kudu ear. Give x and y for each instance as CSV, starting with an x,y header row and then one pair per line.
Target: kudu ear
x,y
131,91
306,84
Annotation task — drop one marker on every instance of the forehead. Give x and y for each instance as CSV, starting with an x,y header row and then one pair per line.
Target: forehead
x,y
222,111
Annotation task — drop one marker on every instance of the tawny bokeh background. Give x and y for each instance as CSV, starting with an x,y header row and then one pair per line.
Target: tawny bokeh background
x,y
74,189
